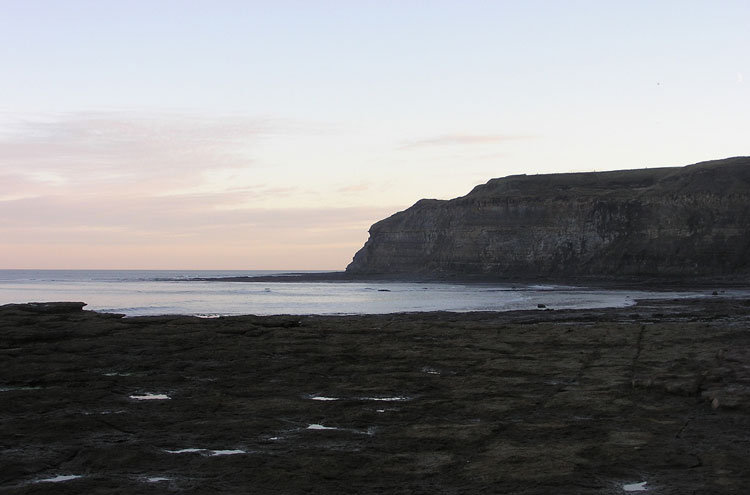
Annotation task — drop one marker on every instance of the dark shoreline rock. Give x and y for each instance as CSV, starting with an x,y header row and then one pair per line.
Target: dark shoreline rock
x,y
45,307
527,402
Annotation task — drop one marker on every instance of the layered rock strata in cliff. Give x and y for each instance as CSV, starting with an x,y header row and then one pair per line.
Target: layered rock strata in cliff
x,y
665,222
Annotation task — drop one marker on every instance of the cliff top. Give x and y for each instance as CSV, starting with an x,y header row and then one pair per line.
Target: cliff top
x,y
726,176
717,176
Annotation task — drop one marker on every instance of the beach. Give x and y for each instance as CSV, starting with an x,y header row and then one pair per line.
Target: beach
x,y
653,397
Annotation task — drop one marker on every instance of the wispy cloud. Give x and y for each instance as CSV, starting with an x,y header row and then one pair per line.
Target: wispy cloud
x,y
355,188
85,148
463,140
156,152
143,155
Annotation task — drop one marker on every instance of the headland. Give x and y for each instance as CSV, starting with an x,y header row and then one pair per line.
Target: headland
x,y
673,223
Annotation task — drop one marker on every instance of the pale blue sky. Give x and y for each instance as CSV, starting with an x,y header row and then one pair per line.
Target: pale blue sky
x,y
248,134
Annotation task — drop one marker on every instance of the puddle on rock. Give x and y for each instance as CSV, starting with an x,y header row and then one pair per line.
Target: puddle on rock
x,y
151,397
397,398
208,452
226,452
156,479
14,389
59,479
316,426
89,413
369,431
635,487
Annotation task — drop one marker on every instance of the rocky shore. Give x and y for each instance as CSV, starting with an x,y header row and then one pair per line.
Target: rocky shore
x,y
653,398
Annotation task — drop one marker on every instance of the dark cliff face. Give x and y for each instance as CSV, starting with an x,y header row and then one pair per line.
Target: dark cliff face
x,y
667,222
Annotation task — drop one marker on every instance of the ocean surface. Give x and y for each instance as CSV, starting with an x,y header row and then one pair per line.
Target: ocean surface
x,y
160,292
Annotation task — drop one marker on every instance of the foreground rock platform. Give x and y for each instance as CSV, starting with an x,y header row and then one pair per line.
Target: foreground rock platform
x,y
534,402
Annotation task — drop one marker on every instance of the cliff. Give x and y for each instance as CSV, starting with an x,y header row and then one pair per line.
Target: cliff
x,y
691,221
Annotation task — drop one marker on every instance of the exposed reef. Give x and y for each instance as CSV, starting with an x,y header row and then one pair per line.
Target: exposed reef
x,y
588,402
665,223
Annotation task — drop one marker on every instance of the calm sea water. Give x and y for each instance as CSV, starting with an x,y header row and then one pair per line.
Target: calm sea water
x,y
159,292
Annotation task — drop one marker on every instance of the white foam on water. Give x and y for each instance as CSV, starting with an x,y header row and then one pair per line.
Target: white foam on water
x,y
59,479
543,287
316,426
157,479
184,451
151,397
319,397
635,487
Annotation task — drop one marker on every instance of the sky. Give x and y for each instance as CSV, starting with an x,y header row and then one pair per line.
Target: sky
x,y
241,134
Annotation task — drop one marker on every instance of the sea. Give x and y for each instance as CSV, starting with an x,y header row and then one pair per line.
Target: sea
x,y
170,292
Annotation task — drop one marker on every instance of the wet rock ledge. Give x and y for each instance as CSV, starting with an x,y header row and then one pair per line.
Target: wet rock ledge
x,y
651,398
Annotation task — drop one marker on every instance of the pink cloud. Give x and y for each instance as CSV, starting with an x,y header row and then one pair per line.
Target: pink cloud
x,y
92,148
463,140
77,188
355,188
